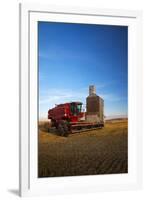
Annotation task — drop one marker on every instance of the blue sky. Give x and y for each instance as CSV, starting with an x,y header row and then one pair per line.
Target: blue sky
x,y
74,56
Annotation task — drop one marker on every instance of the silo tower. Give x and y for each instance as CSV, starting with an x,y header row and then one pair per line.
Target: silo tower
x,y
92,90
94,106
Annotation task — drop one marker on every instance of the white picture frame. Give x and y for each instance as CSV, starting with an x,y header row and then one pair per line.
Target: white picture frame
x,y
30,184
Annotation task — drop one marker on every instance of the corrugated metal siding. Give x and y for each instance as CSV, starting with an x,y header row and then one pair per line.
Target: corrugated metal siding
x,y
94,106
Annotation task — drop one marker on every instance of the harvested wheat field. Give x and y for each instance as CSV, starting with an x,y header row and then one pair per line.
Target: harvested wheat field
x,y
102,151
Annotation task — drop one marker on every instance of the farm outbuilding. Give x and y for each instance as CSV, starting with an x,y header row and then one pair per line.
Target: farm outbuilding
x,y
94,106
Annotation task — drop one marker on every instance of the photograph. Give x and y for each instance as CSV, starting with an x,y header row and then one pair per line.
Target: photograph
x,y
82,99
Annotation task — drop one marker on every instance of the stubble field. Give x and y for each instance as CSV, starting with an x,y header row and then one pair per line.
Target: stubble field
x,y
101,151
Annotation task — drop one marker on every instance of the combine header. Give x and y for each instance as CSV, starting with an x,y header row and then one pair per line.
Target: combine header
x,y
69,117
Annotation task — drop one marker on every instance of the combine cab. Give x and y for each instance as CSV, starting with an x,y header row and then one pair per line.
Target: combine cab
x,y
69,118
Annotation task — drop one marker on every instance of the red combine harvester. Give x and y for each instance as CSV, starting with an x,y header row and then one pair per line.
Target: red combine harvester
x,y
68,118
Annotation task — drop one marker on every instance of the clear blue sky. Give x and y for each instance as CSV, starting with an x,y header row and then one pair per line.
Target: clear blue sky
x,y
74,56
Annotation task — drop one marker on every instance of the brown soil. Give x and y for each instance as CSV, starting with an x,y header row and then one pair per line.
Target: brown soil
x,y
102,151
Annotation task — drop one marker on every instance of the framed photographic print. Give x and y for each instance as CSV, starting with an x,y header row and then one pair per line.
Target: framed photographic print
x,y
80,100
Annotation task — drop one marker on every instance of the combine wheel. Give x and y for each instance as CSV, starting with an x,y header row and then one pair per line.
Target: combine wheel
x,y
60,129
66,130
63,129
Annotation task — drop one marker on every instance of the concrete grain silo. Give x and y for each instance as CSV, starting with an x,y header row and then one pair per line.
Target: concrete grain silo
x,y
94,106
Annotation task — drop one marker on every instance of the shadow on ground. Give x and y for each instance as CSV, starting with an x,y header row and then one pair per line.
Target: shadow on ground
x,y
14,191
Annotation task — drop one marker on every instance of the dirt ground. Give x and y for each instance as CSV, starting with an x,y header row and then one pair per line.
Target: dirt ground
x,y
102,151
